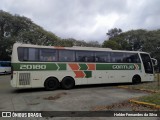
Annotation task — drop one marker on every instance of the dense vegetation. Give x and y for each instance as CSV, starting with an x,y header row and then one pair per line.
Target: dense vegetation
x,y
142,40
15,28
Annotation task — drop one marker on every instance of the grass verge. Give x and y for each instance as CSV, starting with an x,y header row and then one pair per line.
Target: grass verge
x,y
153,99
147,86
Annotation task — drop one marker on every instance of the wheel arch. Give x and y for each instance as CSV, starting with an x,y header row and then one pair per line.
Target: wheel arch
x,y
136,78
69,77
49,78
63,82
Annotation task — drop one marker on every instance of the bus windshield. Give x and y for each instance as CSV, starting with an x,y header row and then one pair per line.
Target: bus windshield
x,y
147,63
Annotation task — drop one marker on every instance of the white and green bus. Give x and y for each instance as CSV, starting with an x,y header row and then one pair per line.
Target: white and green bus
x,y
50,67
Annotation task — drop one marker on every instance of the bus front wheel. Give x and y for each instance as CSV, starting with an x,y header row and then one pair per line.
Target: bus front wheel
x,y
67,83
136,79
51,83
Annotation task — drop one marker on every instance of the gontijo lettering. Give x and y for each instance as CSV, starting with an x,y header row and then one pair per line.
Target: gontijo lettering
x,y
124,67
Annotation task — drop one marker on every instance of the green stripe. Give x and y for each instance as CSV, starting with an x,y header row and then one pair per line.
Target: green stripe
x,y
38,66
103,66
83,67
62,66
117,66
88,74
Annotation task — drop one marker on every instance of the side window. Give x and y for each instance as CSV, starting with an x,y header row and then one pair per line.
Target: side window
x,y
28,54
84,56
102,57
117,57
36,54
22,54
66,55
48,55
8,64
132,58
33,54
5,64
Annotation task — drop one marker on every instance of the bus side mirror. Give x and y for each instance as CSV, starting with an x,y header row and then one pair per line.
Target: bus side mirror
x,y
154,61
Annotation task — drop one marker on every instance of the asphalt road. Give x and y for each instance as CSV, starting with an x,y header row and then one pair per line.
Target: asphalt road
x,y
81,98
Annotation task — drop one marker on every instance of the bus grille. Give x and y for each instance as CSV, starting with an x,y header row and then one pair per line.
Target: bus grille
x,y
24,78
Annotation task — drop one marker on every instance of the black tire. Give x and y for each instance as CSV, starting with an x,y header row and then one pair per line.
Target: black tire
x,y
67,83
136,79
51,83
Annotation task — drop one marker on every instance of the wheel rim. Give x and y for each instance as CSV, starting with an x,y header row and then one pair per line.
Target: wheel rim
x,y
68,83
136,80
51,84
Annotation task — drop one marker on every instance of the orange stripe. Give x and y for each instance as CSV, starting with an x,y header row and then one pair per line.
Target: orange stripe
x,y
79,74
74,66
91,66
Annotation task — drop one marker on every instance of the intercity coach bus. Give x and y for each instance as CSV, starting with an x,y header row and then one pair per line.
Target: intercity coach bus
x,y
50,67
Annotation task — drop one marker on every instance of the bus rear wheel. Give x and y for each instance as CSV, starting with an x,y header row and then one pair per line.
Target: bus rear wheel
x,y
136,79
51,83
67,83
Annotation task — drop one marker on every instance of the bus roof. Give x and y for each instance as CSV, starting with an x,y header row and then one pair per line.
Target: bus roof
x,y
74,48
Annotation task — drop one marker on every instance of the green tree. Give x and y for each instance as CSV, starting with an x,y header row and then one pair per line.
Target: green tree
x,y
111,44
137,40
113,32
14,28
152,45
130,40
94,43
6,39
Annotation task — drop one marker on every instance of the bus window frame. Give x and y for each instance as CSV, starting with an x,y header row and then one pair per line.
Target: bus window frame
x,y
76,51
109,53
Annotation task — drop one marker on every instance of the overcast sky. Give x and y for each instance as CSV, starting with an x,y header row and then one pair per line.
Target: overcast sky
x,y
87,19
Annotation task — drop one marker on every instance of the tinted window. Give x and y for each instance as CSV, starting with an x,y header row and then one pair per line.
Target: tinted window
x,y
5,64
66,55
22,54
147,63
102,57
48,55
84,56
117,57
122,57
33,54
131,58
28,54
36,54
